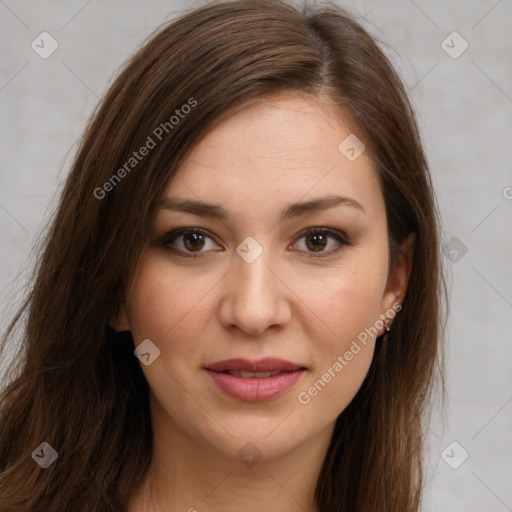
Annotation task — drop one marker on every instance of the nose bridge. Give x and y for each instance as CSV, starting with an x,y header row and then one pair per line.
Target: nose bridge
x,y
255,293
254,278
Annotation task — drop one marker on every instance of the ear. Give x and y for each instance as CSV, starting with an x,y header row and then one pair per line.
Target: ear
x,y
398,278
120,321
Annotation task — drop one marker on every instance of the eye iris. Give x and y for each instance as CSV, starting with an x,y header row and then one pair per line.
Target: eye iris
x,y
196,238
319,237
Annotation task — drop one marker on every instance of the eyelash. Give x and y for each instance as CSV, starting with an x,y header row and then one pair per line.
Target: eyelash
x,y
340,237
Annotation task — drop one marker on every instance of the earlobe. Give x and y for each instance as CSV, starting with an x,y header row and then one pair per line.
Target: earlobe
x,y
398,279
403,267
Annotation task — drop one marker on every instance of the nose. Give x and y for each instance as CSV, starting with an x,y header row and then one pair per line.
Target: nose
x,y
255,296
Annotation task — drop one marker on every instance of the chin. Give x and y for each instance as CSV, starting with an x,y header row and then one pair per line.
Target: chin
x,y
250,440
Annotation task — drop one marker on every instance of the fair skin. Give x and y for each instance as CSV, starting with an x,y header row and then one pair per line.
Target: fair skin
x,y
287,303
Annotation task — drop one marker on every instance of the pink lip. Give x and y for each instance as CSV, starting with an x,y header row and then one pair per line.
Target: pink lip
x,y
253,388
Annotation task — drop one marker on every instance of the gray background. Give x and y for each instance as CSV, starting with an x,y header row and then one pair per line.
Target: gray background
x,y
464,107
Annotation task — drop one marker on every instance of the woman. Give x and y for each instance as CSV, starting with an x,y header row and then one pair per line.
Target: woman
x,y
238,303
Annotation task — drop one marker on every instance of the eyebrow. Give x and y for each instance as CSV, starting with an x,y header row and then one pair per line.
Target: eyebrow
x,y
216,211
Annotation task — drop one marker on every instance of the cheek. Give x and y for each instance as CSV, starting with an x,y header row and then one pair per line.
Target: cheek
x,y
350,302
168,310
341,361
164,303
349,306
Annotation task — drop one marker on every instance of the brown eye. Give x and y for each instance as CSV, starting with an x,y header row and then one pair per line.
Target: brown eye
x,y
184,241
317,239
193,241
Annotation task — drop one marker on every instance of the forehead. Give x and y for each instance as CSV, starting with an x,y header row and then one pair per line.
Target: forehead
x,y
279,151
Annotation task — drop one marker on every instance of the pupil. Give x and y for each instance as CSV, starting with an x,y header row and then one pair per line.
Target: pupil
x,y
322,241
196,238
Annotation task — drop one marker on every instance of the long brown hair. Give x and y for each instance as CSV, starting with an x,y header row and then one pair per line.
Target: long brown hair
x,y
88,398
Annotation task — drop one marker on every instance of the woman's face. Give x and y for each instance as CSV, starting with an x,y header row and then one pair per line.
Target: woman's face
x,y
250,284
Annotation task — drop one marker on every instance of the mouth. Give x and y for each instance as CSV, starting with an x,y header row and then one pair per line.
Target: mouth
x,y
260,380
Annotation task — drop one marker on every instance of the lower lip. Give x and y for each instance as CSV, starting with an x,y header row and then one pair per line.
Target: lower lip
x,y
253,389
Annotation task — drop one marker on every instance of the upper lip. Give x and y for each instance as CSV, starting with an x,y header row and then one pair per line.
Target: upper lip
x,y
267,364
